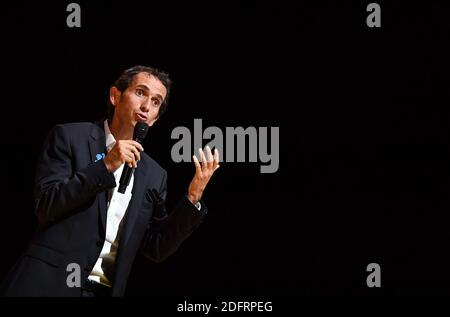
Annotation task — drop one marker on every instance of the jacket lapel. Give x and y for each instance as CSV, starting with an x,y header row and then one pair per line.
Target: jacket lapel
x,y
97,145
135,202
139,186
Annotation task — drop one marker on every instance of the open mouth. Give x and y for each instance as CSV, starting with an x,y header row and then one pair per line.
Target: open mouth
x,y
141,117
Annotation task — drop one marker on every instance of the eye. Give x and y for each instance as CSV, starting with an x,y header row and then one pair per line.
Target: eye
x,y
140,92
156,102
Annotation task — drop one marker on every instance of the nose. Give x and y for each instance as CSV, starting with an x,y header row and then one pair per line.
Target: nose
x,y
145,106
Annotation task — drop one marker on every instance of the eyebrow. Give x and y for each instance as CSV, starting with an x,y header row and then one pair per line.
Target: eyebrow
x,y
148,89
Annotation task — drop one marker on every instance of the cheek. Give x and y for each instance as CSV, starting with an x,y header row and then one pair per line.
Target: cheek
x,y
132,100
130,104
155,112
153,116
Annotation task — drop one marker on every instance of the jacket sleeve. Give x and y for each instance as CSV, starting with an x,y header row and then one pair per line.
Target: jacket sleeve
x,y
166,232
59,190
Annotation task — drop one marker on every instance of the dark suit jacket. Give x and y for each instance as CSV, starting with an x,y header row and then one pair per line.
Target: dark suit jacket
x,y
71,206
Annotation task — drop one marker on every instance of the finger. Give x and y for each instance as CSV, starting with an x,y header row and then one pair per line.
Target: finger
x,y
137,145
130,160
136,153
132,151
198,168
210,157
216,159
203,159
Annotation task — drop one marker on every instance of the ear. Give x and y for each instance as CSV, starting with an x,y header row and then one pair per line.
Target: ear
x,y
114,95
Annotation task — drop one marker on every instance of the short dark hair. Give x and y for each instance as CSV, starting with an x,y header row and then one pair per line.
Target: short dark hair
x,y
126,78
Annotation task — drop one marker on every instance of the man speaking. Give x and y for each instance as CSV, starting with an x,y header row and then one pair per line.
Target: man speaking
x,y
84,220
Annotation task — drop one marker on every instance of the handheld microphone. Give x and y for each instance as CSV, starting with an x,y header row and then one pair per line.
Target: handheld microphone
x,y
139,134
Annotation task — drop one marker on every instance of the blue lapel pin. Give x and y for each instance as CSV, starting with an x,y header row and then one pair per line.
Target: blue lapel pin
x,y
99,157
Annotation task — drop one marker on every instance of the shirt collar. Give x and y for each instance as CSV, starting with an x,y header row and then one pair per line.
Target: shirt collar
x,y
110,140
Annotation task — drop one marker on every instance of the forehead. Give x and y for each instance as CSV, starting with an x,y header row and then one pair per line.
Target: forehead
x,y
151,82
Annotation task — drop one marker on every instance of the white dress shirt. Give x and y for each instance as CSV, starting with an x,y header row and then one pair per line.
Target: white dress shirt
x,y
116,209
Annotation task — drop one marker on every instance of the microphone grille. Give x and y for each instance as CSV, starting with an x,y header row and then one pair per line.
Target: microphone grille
x,y
140,130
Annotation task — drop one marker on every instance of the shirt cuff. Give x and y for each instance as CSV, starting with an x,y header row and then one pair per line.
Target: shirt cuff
x,y
199,206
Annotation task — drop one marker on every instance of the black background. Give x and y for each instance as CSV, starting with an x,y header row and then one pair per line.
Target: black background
x,y
364,135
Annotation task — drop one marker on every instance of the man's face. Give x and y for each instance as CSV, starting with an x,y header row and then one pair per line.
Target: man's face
x,y
140,102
